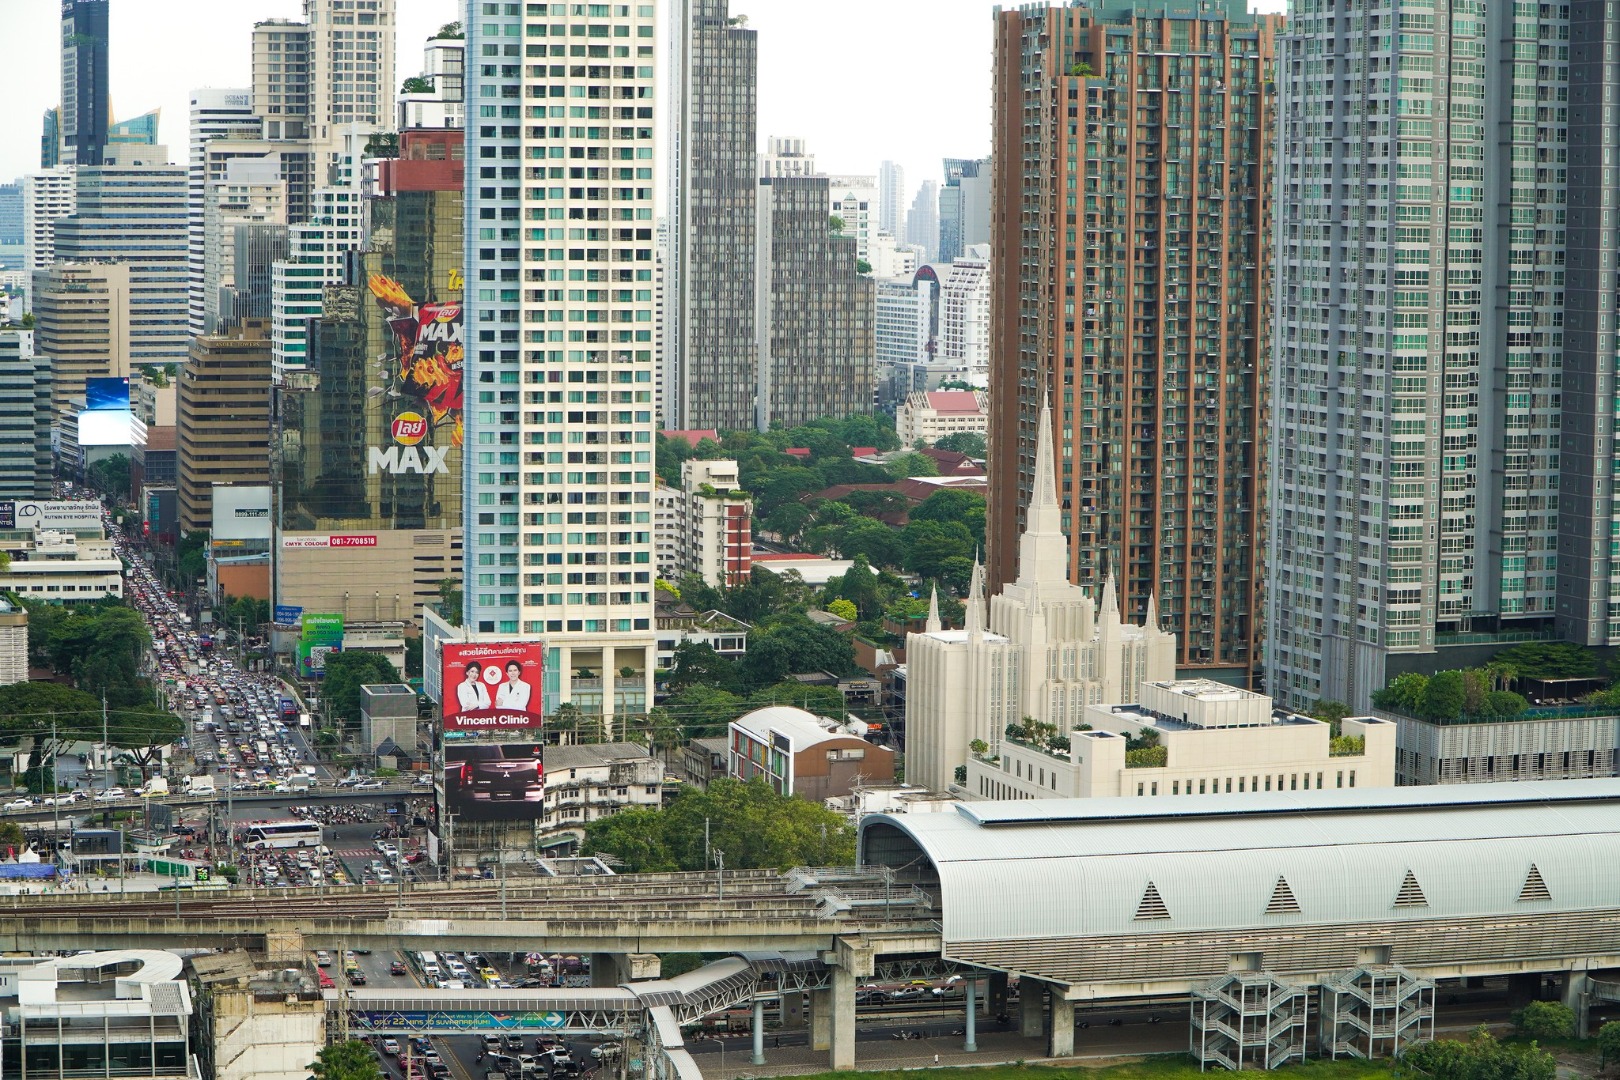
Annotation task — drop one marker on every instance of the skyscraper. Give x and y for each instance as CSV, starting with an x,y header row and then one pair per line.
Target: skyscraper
x,y
25,418
83,326
48,197
922,220
964,207
891,199
709,329
215,113
1141,308
816,311
86,95
559,375
1444,448
136,214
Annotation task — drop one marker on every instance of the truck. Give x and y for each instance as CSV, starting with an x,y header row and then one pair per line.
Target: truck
x,y
200,785
289,708
155,786
303,720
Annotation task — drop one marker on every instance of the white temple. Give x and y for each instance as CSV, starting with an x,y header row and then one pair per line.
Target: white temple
x,y
1047,652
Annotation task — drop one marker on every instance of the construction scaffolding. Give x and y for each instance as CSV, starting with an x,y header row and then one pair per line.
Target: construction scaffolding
x,y
1249,1020
1377,1011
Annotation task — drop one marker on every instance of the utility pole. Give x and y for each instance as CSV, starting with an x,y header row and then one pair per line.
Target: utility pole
x,y
106,752
720,873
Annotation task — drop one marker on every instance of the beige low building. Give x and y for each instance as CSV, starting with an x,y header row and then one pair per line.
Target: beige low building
x,y
371,573
261,1022
1216,740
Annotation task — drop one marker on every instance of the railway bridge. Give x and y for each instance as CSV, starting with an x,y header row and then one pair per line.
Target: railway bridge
x,y
1340,907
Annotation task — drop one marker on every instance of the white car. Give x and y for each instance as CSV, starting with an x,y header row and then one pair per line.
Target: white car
x,y
20,804
368,785
110,794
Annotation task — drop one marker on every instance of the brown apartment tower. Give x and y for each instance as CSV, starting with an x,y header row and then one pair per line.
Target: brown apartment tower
x,y
1131,228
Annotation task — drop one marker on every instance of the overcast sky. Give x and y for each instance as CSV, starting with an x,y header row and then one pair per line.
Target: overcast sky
x,y
862,80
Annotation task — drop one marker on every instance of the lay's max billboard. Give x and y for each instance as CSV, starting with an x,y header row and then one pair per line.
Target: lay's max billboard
x,y
420,384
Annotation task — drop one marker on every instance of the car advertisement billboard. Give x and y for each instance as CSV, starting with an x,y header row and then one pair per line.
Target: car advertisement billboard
x,y
421,382
492,781
494,684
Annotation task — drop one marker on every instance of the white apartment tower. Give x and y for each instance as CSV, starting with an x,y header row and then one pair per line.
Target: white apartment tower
x,y
964,315
215,113
48,196
560,368
891,199
787,155
1444,400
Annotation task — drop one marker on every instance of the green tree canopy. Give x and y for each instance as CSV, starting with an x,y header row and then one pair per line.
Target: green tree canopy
x,y
1482,1057
970,443
1548,660
1545,1020
790,644
701,711
825,701
697,664
751,824
954,505
110,476
350,1060
1608,1038
346,673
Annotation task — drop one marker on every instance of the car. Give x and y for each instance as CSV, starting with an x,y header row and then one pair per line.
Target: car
x,y
390,1046
492,1042
490,772
110,794
605,1051
908,993
19,804
430,1055
514,1042
322,958
368,785
357,978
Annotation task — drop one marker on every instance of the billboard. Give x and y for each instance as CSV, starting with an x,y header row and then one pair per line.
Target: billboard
x,y
346,541
320,636
421,384
241,512
25,514
107,419
497,684
487,781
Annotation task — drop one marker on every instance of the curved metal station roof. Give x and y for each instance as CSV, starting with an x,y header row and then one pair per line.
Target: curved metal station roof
x,y
1066,868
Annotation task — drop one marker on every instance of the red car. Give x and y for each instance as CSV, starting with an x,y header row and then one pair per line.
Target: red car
x,y
398,968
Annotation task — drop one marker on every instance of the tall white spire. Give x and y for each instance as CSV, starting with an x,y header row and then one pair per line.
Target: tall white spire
x,y
973,619
1043,550
1151,619
932,626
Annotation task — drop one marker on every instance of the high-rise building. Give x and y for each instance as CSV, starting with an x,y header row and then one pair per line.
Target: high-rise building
x,y
223,418
787,155
82,327
1443,452
25,418
706,525
50,140
244,234
815,310
317,249
136,214
86,93
891,258
902,330
964,317
1143,310
368,440
281,78
964,207
47,198
922,220
709,277
215,113
11,225
892,200
853,200
437,97
559,535
135,142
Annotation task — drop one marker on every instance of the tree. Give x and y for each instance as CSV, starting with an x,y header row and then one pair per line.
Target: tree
x,y
702,711
635,836
790,644
844,609
346,673
1330,712
11,838
930,545
417,85
1405,694
862,266
450,31
382,144
1545,1020
1548,660
450,599
971,443
110,476
1482,1057
950,504
191,562
912,464
1445,696
697,664
1608,1038
350,1060
859,586
825,701
835,225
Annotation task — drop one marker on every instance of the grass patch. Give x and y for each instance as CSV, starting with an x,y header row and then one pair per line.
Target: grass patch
x,y
1156,1067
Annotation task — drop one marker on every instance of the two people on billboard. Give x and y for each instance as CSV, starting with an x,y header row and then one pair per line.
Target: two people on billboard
x,y
472,693
514,692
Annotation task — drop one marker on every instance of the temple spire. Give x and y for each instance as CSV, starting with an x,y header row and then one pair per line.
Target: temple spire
x,y
1151,619
1110,600
932,627
974,619
1043,550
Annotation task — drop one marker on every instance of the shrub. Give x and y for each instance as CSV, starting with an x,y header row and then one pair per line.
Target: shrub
x,y
1545,1020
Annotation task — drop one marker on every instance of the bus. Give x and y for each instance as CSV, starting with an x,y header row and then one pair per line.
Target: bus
x,y
261,835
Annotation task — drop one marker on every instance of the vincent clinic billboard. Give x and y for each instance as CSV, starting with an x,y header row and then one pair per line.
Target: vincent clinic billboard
x,y
494,685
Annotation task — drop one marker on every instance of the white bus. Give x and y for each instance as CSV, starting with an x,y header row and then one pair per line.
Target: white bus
x,y
283,834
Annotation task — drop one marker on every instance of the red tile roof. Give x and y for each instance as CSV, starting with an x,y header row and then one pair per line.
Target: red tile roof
x,y
693,436
953,401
